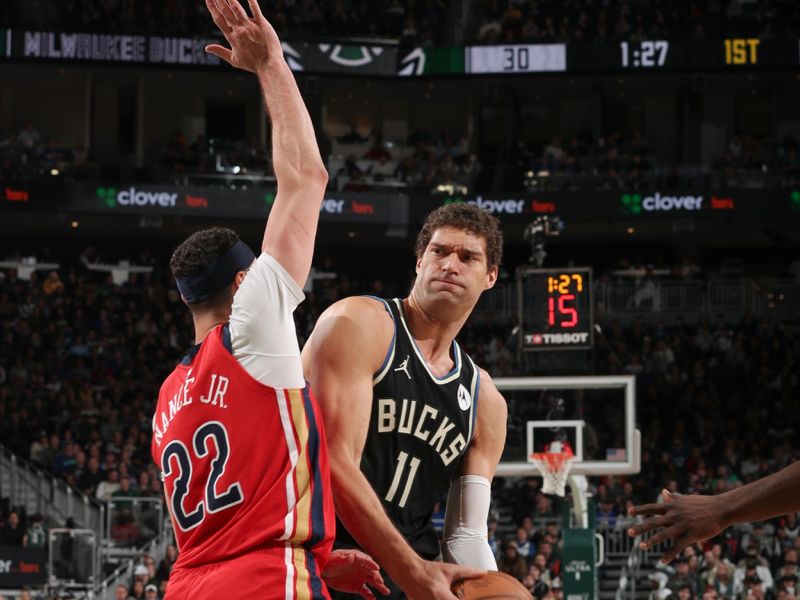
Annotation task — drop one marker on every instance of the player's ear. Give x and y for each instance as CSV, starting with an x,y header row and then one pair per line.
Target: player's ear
x,y
491,277
237,281
419,262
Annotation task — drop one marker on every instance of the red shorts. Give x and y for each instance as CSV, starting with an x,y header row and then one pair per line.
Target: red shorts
x,y
288,573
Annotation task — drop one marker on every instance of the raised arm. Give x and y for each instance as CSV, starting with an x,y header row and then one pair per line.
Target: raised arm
x,y
465,534
339,360
688,519
299,169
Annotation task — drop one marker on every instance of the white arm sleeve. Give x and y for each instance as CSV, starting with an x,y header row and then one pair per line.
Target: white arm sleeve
x,y
465,531
263,334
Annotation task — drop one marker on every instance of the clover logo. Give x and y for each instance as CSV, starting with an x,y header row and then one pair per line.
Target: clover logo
x,y
795,196
631,204
106,197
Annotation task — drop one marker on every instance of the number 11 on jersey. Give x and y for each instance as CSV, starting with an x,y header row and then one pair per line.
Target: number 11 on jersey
x,y
413,464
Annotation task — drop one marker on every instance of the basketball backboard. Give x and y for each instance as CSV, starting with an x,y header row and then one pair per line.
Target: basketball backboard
x,y
595,416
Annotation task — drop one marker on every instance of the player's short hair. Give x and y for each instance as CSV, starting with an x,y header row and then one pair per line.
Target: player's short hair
x,y
197,252
470,218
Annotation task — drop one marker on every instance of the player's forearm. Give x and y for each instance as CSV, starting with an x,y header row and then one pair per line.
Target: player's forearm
x,y
772,496
295,154
362,513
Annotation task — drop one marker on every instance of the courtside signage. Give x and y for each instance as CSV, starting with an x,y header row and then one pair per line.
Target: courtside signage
x,y
115,48
506,206
636,204
252,203
373,59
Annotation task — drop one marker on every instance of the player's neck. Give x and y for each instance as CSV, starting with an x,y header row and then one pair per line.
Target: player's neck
x,y
434,335
205,324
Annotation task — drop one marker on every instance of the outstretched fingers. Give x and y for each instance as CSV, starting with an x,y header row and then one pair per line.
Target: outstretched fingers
x,y
218,17
647,510
670,533
649,525
255,9
234,12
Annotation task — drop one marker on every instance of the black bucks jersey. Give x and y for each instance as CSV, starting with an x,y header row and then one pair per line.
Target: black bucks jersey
x,y
419,428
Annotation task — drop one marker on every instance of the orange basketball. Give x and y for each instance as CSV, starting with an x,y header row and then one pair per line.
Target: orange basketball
x,y
492,586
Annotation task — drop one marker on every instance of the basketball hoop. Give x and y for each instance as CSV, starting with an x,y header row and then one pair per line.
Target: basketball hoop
x,y
554,468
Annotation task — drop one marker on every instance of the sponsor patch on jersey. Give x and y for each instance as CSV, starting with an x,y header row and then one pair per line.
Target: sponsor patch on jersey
x,y
464,398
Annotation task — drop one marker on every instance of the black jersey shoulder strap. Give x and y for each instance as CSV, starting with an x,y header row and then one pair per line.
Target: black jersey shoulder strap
x,y
387,360
474,389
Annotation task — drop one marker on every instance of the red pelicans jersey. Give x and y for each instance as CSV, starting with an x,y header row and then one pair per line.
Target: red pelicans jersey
x,y
245,469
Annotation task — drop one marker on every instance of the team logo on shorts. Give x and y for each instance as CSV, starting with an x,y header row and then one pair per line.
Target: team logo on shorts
x,y
464,399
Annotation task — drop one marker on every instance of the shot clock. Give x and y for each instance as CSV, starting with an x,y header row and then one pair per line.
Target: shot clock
x,y
556,308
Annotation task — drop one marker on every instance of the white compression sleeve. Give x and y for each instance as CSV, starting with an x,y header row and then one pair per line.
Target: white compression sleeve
x,y
465,529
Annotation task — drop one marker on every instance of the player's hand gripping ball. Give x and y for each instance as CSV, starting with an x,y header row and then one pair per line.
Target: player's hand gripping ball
x,y
492,586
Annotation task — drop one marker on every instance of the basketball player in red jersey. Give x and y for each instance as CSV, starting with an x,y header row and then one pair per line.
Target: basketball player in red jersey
x,y
236,433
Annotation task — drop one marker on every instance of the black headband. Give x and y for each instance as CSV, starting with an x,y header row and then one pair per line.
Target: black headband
x,y
214,278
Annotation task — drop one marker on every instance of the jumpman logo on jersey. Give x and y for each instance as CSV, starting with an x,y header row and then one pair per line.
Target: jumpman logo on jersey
x,y
404,367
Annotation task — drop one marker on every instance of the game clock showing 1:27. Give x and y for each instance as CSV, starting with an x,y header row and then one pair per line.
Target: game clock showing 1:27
x,y
645,54
556,308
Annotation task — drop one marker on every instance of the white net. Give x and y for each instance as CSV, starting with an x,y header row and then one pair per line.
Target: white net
x,y
554,468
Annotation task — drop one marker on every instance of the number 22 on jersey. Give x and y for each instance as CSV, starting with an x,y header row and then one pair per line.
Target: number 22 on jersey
x,y
177,456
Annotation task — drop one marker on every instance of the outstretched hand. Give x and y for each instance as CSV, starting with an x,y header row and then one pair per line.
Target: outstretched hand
x,y
352,571
683,519
253,40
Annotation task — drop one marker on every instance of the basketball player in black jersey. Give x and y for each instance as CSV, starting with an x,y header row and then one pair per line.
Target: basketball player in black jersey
x,y
410,417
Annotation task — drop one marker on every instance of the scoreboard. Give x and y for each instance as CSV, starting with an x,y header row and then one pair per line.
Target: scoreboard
x,y
555,308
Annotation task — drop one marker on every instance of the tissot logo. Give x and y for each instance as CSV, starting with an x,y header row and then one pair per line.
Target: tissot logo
x,y
537,339
635,204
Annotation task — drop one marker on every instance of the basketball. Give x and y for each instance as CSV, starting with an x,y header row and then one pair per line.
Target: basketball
x,y
492,586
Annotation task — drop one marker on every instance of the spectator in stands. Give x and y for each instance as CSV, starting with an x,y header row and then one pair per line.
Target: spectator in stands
x,y
107,488
533,581
137,589
92,476
606,513
548,551
121,592
683,578
29,138
151,592
557,589
524,546
37,536
544,507
13,533
166,564
720,579
748,572
511,562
